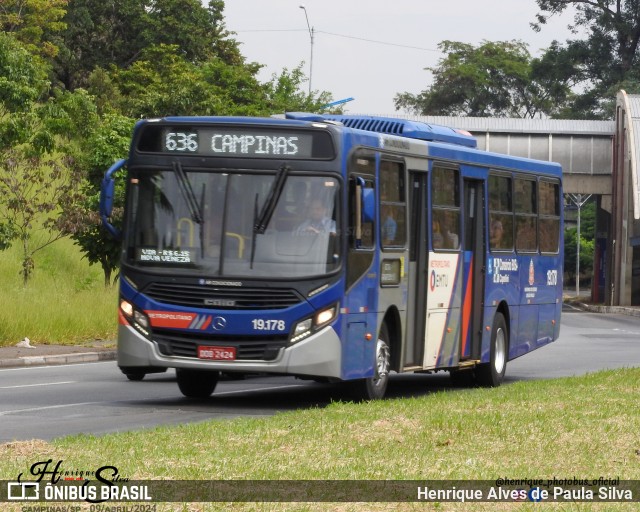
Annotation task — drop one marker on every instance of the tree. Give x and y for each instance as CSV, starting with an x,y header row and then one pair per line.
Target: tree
x,y
492,79
33,187
22,82
107,142
23,79
35,181
285,94
99,33
605,59
34,23
102,34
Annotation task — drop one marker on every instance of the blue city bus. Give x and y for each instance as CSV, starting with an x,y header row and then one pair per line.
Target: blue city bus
x,y
331,247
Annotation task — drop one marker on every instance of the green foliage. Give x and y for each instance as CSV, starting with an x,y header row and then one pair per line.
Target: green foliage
x,y
103,34
285,94
107,143
33,188
603,59
99,33
587,251
162,83
23,77
492,79
587,241
34,23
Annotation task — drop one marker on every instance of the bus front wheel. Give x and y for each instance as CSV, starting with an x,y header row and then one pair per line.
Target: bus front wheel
x,y
196,383
374,388
492,373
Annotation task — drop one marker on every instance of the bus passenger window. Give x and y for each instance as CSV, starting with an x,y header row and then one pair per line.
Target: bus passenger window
x,y
500,213
549,211
392,205
526,215
445,197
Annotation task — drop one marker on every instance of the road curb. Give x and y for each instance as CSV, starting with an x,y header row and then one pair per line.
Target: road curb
x,y
598,308
80,357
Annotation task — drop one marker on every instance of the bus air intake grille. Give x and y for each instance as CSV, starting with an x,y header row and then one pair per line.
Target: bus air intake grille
x,y
185,344
222,298
373,125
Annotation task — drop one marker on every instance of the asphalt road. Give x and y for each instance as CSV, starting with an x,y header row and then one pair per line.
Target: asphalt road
x,y
95,398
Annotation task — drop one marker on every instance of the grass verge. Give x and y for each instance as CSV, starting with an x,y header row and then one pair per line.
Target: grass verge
x,y
584,427
65,301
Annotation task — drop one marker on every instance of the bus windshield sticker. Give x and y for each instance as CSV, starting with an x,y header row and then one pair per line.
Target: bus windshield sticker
x,y
163,256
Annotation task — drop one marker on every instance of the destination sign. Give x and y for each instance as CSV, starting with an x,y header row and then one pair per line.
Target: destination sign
x,y
229,141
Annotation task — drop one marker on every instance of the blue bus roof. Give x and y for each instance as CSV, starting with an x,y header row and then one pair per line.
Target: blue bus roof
x,y
392,126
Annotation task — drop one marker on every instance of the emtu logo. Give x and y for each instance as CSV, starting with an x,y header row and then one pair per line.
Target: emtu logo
x,y
438,280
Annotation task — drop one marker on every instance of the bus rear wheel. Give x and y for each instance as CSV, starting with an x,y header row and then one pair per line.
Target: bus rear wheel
x,y
374,388
196,383
491,374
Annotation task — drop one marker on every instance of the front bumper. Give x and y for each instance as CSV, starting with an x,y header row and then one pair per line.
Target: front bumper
x,y
319,355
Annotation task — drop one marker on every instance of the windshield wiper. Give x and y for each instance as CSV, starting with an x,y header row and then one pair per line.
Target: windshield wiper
x,y
187,192
262,221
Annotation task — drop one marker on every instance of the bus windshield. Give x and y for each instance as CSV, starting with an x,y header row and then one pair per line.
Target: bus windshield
x,y
208,222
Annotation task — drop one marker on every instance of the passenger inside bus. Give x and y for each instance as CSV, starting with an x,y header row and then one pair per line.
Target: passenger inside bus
x,y
497,231
389,226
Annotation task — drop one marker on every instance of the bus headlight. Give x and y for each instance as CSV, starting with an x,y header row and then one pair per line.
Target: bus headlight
x,y
141,322
325,316
127,309
301,330
137,319
307,326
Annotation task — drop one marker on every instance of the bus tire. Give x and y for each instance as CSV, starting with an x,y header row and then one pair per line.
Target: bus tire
x,y
374,388
135,376
491,374
196,383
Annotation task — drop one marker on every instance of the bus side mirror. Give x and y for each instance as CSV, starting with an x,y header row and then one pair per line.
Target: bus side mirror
x,y
107,191
368,205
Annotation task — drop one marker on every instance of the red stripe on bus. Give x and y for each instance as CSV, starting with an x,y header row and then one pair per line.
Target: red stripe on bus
x,y
466,309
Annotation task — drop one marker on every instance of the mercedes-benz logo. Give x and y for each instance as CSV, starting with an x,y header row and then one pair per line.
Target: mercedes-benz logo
x,y
219,323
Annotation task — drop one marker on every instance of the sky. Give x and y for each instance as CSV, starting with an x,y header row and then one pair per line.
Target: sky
x,y
371,50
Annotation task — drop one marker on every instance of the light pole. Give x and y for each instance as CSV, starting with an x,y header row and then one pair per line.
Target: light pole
x,y
579,200
311,37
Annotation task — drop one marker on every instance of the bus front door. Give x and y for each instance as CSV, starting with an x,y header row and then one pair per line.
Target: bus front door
x,y
446,287
474,263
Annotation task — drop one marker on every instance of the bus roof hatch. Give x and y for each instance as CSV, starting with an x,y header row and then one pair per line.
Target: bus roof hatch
x,y
393,126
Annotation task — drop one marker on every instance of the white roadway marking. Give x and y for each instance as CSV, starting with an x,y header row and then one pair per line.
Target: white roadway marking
x,y
43,384
31,409
48,407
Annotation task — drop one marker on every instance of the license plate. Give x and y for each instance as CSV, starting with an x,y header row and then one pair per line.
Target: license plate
x,y
217,353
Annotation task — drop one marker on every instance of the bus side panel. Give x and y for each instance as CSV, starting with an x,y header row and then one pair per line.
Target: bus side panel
x,y
550,296
502,285
361,319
